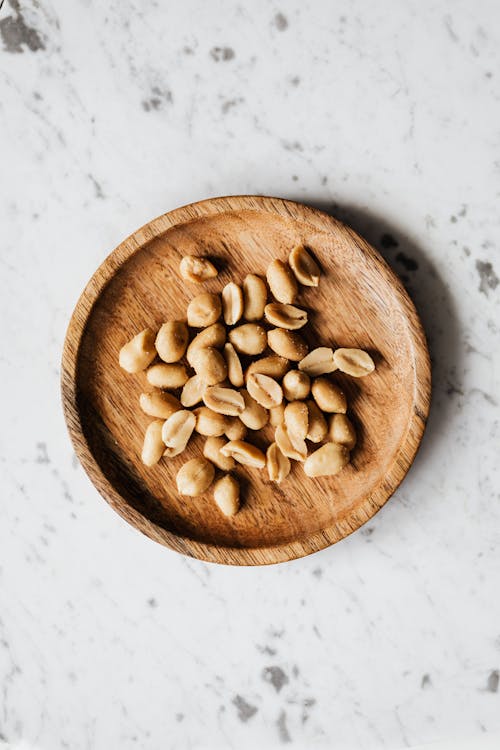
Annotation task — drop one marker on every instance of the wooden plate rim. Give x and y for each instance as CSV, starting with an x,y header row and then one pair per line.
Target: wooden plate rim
x,y
211,552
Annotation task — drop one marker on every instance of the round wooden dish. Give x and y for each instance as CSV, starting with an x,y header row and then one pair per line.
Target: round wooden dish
x,y
359,302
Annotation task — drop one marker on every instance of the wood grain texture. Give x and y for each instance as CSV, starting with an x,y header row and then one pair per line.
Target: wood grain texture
x,y
359,303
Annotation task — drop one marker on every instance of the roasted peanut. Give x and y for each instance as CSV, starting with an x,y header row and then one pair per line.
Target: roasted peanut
x,y
204,310
296,385
192,393
196,269
244,453
286,447
266,391
341,431
327,460
235,429
317,423
176,432
139,352
278,465
171,341
304,267
254,416
285,316
159,404
214,335
249,338
273,365
167,376
234,369
281,282
224,400
287,344
210,365
195,477
297,423
318,362
232,303
328,396
227,495
255,297
208,422
354,362
153,447
277,414
211,450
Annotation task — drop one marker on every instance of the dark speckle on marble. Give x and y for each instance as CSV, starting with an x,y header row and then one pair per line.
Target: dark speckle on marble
x,y
487,276
452,389
42,457
275,676
292,145
222,54
295,177
99,193
410,264
230,104
188,50
280,21
245,709
283,732
493,681
152,603
15,33
453,219
267,650
158,98
295,81
425,682
317,572
387,241
179,717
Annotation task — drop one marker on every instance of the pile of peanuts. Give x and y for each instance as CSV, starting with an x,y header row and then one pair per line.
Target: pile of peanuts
x,y
286,388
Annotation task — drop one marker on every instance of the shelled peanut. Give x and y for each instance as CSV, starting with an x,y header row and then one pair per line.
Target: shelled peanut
x,y
245,366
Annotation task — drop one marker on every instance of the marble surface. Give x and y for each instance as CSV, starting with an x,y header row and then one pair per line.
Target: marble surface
x,y
386,114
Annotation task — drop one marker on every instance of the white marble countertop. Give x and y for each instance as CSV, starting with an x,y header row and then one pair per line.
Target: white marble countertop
x,y
386,114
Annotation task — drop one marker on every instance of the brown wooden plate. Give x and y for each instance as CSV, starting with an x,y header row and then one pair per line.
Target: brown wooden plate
x,y
359,303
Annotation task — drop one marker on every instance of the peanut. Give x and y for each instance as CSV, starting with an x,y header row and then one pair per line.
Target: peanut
x,y
317,423
286,447
273,365
227,495
244,453
232,303
153,447
255,296
159,404
285,316
354,362
167,376
266,391
341,431
204,310
209,423
327,460
171,341
196,269
234,369
248,338
214,335
139,352
177,430
297,423
224,400
287,344
277,414
296,385
254,416
235,429
328,396
210,365
192,393
318,362
195,477
278,465
281,282
212,451
304,267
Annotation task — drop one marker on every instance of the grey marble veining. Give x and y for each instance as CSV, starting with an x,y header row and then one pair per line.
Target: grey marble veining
x,y
387,115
